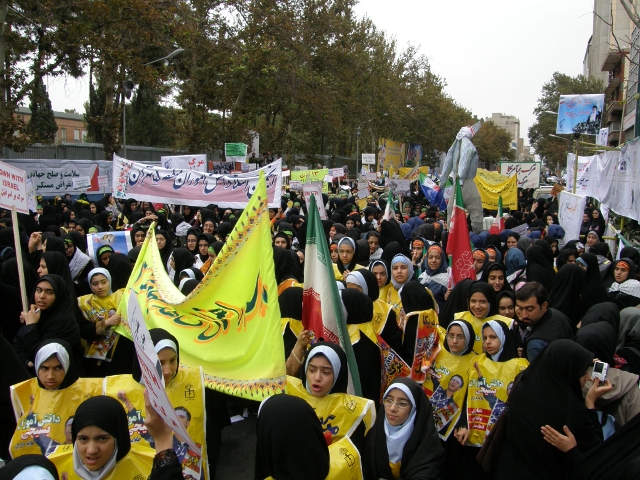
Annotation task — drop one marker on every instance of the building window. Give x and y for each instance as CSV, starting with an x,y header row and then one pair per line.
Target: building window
x,y
63,134
76,135
84,135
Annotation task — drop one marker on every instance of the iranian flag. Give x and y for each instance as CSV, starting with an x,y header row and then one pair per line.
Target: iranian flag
x,y
321,303
448,188
498,223
389,211
458,245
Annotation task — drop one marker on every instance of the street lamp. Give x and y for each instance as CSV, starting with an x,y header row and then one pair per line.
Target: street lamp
x,y
128,91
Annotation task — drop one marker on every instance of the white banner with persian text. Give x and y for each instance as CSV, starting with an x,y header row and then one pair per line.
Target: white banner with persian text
x,y
528,173
570,209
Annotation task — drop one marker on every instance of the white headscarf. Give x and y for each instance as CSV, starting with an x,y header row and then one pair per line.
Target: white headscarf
x,y
400,258
495,326
357,278
34,472
48,351
333,358
465,332
101,271
86,474
398,436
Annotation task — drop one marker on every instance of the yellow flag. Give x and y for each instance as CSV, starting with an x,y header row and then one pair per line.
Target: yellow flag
x,y
492,186
230,324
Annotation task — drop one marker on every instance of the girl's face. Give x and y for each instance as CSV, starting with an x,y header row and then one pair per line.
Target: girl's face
x,y
490,341
139,238
280,242
42,270
400,272
319,375
397,407
479,305
93,208
161,241
506,307
620,274
332,232
456,339
169,363
45,295
334,256
349,224
208,227
51,374
434,259
95,447
100,285
511,242
595,214
381,275
571,259
549,220
345,251
496,279
592,239
585,218
203,247
192,242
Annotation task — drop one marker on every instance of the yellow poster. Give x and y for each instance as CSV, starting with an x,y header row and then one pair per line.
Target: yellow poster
x,y
229,327
489,386
186,394
446,386
44,416
477,324
136,465
492,185
413,174
308,176
339,413
390,155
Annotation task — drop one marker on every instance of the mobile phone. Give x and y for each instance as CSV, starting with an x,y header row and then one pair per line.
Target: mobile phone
x,y
600,371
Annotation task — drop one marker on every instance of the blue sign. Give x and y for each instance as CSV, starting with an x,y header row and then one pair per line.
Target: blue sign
x,y
580,114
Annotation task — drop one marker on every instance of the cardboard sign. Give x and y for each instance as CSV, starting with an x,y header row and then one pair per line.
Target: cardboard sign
x,y
315,189
371,176
14,188
328,178
336,172
368,158
295,185
235,152
82,183
103,181
152,372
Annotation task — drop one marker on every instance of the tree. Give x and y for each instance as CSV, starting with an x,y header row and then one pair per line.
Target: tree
x,y
42,125
553,150
493,144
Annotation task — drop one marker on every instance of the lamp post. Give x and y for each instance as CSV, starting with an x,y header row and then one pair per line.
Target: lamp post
x,y
128,91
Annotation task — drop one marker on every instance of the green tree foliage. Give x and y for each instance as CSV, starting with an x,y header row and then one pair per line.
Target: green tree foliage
x,y
553,151
42,124
493,144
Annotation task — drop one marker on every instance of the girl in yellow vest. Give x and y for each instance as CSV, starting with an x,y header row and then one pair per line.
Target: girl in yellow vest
x,y
346,258
381,271
185,389
101,449
291,445
404,442
44,405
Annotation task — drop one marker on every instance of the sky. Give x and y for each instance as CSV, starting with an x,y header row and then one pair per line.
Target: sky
x,y
494,55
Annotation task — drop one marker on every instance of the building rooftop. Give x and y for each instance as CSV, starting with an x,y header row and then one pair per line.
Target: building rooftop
x,y
65,115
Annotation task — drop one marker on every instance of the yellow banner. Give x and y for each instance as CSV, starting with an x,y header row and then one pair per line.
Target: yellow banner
x,y
413,174
42,415
492,185
186,394
477,324
489,386
230,324
339,413
308,176
390,155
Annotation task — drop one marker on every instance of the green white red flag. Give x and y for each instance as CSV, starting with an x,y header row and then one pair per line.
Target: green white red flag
x,y
458,244
498,223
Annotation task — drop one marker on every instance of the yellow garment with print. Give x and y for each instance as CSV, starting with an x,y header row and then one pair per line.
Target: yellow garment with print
x,y
340,276
41,414
185,392
136,465
477,324
381,311
96,309
339,413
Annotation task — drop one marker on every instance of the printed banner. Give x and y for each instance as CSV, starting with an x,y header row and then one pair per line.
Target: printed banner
x,y
413,174
528,173
491,189
43,416
399,187
570,209
188,187
477,324
235,152
489,386
583,179
427,344
231,328
413,154
393,366
185,162
310,176
314,189
580,114
14,188
55,177
120,242
623,190
390,155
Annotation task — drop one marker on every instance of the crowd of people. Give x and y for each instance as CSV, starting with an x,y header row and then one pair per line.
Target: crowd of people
x,y
506,391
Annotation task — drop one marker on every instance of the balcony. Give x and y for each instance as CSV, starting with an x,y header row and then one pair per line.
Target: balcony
x,y
613,112
614,127
611,62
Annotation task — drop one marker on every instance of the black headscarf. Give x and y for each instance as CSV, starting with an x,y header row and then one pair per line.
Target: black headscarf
x,y
72,374
285,425
564,255
488,292
603,312
287,265
133,231
593,290
390,232
540,266
508,346
565,292
548,393
17,465
341,378
108,414
385,264
55,244
210,239
57,264
458,301
490,267
182,259
469,342
189,286
165,253
415,298
291,303
600,339
120,269
422,455
286,239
